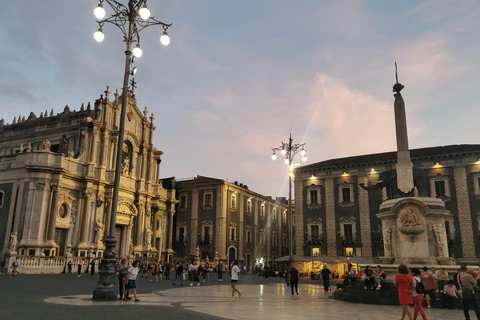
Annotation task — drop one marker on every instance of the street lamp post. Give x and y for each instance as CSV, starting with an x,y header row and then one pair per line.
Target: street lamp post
x,y
130,19
289,150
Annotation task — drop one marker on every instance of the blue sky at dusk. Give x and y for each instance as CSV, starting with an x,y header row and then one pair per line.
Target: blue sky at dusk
x,y
239,76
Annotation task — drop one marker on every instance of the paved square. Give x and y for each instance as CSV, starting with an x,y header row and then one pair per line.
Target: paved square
x,y
69,297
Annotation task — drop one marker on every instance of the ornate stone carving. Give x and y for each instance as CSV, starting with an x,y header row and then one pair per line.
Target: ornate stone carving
x,y
410,223
100,200
40,184
46,145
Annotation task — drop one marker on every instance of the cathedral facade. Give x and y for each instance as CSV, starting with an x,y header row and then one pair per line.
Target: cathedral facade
x,y
56,185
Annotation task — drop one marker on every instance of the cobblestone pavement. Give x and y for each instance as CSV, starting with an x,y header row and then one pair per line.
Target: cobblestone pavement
x,y
69,297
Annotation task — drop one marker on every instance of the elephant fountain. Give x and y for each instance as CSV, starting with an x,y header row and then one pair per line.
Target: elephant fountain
x,y
389,178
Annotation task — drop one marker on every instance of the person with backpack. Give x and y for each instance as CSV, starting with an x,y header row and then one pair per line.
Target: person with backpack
x,y
418,294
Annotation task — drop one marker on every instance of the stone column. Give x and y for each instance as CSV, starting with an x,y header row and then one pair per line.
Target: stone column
x,y
464,212
52,217
171,213
154,227
85,219
140,226
330,217
221,223
365,228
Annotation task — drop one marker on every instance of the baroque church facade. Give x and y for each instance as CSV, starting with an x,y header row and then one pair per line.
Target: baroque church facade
x,y
336,217
56,185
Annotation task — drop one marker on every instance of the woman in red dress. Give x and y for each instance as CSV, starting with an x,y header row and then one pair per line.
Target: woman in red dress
x,y
404,282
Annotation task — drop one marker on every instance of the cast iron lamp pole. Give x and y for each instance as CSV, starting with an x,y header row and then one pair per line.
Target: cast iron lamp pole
x,y
130,19
289,150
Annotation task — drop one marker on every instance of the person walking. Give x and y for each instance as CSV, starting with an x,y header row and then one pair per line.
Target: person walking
x,y
160,270
293,279
168,267
69,266
417,295
155,271
404,282
220,271
467,284
131,280
178,274
326,275
16,264
92,268
144,269
429,283
235,271
80,263
122,269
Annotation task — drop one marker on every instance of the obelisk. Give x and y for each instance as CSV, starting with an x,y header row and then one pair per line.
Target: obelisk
x,y
404,164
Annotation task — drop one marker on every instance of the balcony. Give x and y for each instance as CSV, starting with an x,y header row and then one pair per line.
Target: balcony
x,y
314,238
348,240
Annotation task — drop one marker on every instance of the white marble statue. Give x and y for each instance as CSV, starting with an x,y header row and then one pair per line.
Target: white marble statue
x,y
437,231
148,237
13,242
99,228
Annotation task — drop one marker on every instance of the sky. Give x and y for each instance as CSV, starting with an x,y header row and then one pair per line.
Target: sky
x,y
240,76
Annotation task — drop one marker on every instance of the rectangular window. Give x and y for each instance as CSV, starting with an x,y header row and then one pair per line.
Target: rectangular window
x,y
208,200
262,210
181,234
262,238
345,194
315,230
206,233
234,202
1,198
440,188
183,201
274,214
249,236
232,234
249,206
347,230
313,196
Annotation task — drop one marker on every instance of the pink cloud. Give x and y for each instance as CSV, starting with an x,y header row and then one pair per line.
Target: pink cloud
x,y
345,122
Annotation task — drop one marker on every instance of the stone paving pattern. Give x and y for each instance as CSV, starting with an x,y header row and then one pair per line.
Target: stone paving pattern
x,y
66,296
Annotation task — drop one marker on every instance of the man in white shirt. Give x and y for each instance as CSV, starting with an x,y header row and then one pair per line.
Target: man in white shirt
x,y
234,274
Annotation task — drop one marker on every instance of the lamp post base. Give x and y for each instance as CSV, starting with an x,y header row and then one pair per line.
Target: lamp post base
x,y
106,289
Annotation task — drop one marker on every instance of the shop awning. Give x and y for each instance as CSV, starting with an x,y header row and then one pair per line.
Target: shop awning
x,y
357,260
310,259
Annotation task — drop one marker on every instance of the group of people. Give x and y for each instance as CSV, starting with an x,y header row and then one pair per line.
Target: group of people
x,y
374,279
185,271
415,285
90,266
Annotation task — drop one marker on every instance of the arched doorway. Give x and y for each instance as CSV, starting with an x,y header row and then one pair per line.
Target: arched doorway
x,y
232,255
